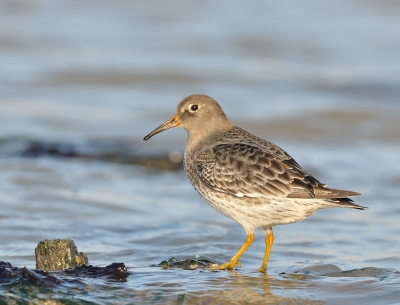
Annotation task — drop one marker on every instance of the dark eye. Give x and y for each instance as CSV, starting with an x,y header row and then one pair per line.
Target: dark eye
x,y
194,107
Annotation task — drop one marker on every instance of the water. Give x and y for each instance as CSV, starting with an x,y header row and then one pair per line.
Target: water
x,y
322,80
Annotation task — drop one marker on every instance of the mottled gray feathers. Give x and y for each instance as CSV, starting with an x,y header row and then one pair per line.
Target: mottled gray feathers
x,y
252,167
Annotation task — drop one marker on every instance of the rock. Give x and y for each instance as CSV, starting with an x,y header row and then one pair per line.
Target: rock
x,y
70,279
58,254
186,264
116,151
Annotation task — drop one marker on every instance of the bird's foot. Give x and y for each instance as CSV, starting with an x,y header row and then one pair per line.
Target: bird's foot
x,y
263,269
228,265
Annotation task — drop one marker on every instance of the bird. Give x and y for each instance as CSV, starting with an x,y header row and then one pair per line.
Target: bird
x,y
246,178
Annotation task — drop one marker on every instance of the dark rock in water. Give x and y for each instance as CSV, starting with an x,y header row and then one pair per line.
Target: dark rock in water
x,y
9,275
37,149
116,151
115,271
186,264
58,254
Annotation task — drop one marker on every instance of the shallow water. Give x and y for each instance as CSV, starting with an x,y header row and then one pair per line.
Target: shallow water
x,y
321,80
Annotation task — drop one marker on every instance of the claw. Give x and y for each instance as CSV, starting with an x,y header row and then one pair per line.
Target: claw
x,y
228,265
262,269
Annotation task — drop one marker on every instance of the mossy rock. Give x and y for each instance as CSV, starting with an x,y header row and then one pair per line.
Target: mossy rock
x,y
58,254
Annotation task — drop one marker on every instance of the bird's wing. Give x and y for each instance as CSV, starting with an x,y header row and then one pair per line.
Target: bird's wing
x,y
247,170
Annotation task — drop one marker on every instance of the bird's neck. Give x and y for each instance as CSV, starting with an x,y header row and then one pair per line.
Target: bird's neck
x,y
205,133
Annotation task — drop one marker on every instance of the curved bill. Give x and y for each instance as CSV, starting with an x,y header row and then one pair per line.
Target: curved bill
x,y
172,122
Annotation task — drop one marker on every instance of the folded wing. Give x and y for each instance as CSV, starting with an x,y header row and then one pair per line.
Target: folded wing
x,y
247,170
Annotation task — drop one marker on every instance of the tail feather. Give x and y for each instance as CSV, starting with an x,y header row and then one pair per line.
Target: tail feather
x,y
321,191
339,197
326,192
346,202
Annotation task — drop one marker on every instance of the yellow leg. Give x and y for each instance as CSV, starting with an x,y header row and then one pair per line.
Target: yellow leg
x,y
235,259
269,240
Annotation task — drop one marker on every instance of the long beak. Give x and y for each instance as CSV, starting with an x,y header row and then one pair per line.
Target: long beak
x,y
172,122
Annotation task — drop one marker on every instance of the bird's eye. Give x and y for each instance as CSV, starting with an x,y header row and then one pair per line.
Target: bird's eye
x,y
194,107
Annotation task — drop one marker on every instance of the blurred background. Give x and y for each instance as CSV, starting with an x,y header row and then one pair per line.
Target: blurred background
x,y
82,82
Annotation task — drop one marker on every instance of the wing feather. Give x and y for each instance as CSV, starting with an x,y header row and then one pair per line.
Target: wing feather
x,y
245,169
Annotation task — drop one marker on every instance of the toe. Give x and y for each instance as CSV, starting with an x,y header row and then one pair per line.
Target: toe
x,y
228,265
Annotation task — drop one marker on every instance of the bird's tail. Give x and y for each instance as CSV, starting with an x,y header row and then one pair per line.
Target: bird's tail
x,y
346,203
